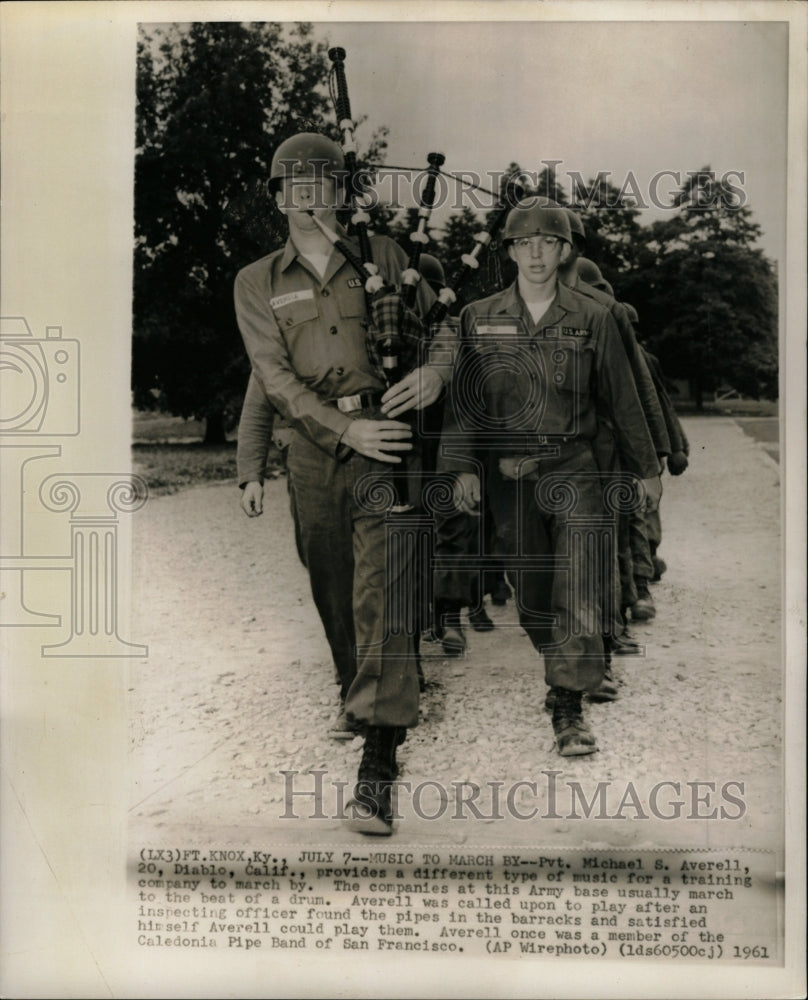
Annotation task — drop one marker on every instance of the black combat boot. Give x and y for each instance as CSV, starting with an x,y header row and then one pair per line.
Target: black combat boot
x,y
419,666
573,736
479,619
625,644
500,592
659,564
452,639
643,609
370,811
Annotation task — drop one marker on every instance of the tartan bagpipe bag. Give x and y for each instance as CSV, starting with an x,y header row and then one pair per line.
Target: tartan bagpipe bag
x,y
395,335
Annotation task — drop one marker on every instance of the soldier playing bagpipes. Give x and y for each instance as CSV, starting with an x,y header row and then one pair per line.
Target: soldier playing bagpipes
x,y
307,322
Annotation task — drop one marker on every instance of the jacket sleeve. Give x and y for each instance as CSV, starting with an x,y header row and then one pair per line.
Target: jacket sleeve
x,y
646,389
302,407
618,394
458,439
254,434
676,433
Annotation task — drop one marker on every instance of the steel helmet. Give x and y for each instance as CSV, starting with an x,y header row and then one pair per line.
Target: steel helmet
x,y
534,219
541,200
576,227
589,272
306,154
432,270
632,313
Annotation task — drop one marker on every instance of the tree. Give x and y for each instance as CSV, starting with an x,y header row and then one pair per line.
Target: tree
x,y
707,297
399,226
458,240
213,102
547,185
610,218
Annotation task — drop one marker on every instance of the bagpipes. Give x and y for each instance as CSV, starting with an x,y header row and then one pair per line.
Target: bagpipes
x,y
396,335
469,263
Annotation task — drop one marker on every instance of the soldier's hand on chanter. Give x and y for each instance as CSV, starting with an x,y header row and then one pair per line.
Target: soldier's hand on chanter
x,y
467,493
653,493
420,388
378,439
677,463
252,499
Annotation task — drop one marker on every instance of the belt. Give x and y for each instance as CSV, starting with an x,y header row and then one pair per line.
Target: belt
x,y
347,404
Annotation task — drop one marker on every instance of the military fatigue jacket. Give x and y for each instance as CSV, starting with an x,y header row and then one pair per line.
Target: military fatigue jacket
x,y
646,387
254,434
676,432
305,336
519,386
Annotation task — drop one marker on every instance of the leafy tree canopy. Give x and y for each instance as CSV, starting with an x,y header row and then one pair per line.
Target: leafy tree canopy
x,y
707,296
214,101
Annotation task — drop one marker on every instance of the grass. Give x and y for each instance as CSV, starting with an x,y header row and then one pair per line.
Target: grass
x,y
764,430
729,408
169,454
160,428
168,468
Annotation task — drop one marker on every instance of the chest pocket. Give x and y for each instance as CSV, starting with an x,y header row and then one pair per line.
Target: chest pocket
x,y
570,364
299,323
292,314
511,381
352,302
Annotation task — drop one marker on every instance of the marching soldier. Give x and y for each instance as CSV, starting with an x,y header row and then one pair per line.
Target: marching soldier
x,y
457,534
536,363
677,461
303,316
634,556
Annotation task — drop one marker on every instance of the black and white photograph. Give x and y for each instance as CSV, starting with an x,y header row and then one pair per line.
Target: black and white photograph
x,y
403,526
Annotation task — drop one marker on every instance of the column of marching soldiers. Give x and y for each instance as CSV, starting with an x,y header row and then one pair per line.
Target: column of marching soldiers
x,y
549,413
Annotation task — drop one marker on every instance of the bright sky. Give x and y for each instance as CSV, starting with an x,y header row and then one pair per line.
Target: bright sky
x,y
632,97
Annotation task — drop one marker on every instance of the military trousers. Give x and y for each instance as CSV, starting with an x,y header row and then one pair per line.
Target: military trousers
x,y
560,546
641,565
618,582
653,529
361,575
473,537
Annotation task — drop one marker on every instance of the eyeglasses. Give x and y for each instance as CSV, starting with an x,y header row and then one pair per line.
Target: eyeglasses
x,y
541,242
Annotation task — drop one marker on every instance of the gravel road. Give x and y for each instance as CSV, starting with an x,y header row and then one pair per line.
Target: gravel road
x,y
238,683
